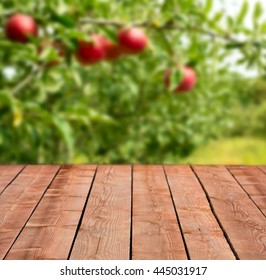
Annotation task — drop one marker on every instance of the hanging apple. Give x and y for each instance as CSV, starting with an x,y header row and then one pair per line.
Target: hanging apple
x,y
20,27
112,50
132,40
186,79
90,52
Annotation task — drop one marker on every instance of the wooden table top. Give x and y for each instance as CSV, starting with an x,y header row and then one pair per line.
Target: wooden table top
x,y
121,212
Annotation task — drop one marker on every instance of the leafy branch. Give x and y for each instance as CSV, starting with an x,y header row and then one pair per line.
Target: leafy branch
x,y
171,24
27,80
6,13
168,25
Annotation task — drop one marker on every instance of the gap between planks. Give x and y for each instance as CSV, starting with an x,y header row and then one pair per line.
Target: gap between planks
x,y
243,223
19,201
55,217
82,215
8,173
204,238
105,227
132,248
156,232
253,181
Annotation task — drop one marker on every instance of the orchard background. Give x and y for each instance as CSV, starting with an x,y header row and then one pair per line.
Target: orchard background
x,y
121,111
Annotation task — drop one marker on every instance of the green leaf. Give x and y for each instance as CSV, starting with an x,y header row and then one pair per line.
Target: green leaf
x,y
217,17
230,22
258,11
14,105
65,130
100,118
6,98
182,18
76,34
79,114
208,6
252,60
64,20
263,27
48,54
175,79
235,45
243,13
77,78
109,33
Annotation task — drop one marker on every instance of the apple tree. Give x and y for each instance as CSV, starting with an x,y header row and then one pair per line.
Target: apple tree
x,y
120,81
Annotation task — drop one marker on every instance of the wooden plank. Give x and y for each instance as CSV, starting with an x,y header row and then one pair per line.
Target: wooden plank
x,y
105,229
263,168
204,238
244,224
7,174
253,180
156,233
19,200
49,233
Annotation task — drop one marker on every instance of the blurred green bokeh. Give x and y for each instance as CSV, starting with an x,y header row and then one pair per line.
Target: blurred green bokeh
x,y
121,112
234,151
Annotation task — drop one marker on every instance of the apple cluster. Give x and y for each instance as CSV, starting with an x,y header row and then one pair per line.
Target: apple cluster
x,y
130,41
20,27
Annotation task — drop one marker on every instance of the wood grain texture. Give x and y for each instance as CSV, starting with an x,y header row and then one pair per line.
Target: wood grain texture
x,y
7,174
253,181
244,224
46,214
18,201
263,168
49,233
204,238
105,228
156,233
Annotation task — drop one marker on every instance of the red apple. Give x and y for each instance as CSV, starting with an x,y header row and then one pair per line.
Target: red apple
x,y
90,52
59,48
188,82
132,40
19,27
112,50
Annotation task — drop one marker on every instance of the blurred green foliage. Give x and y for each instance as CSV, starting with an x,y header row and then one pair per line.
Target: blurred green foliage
x,y
121,111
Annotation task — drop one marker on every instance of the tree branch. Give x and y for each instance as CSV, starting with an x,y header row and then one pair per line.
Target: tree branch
x,y
113,23
6,13
169,25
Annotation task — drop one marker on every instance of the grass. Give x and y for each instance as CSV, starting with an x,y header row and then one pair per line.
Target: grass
x,y
242,151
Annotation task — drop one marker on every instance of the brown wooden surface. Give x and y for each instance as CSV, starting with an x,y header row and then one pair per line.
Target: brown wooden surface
x,y
105,228
156,233
132,212
253,181
263,168
56,217
203,235
242,221
19,200
7,174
